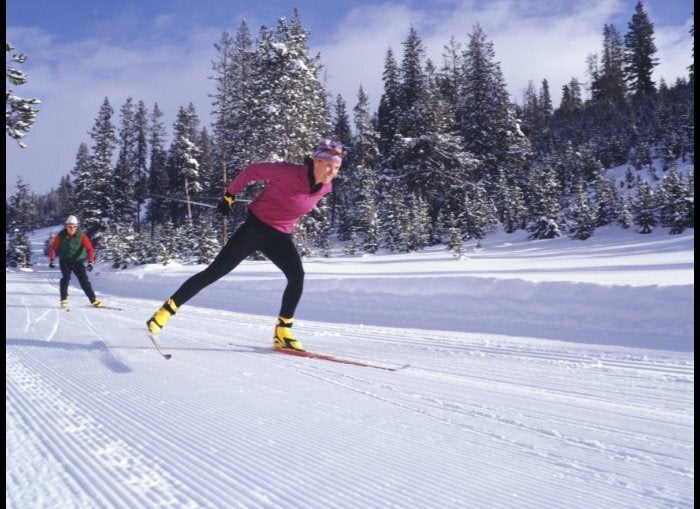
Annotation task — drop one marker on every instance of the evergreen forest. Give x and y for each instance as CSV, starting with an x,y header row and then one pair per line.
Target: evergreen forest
x,y
448,156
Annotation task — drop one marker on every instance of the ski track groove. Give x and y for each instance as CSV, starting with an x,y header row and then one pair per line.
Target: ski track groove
x,y
621,453
201,482
252,454
71,434
491,415
103,440
436,477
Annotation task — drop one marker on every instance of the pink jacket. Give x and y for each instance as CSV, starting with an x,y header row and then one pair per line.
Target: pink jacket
x,y
287,195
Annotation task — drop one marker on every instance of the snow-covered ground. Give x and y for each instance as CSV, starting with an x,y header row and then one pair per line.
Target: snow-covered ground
x,y
553,373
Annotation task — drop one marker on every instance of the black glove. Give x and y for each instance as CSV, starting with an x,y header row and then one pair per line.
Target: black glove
x,y
225,204
52,264
90,267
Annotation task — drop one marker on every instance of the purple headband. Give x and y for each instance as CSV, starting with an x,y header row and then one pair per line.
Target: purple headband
x,y
329,149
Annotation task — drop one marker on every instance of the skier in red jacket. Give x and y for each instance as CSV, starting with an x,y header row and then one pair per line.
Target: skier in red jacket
x,y
292,190
73,246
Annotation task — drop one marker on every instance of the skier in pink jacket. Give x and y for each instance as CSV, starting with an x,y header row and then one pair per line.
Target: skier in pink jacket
x,y
292,190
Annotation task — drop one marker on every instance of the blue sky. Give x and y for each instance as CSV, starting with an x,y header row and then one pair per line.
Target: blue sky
x,y
83,51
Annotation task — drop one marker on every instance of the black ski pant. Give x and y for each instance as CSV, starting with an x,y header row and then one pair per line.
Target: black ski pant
x,y
252,236
76,267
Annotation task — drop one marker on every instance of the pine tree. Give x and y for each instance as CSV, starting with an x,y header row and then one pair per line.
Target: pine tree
x,y
342,193
157,173
644,207
571,97
674,202
99,202
606,202
581,219
82,182
183,160
455,242
287,107
21,220
140,159
544,194
639,53
412,88
208,245
20,114
362,212
387,114
396,221
512,207
626,215
485,118
608,84
123,182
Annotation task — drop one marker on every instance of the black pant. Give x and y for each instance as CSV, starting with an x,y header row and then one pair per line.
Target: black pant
x,y
78,268
252,236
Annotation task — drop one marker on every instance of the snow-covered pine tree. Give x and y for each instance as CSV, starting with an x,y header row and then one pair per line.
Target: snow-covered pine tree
x,y
625,218
580,216
544,203
484,114
286,103
364,211
396,221
140,160
478,216
419,233
388,112
343,193
183,162
606,202
20,113
157,209
207,238
209,175
124,183
674,202
454,236
82,183
644,207
20,221
98,197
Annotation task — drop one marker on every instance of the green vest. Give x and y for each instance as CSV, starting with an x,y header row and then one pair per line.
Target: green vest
x,y
71,249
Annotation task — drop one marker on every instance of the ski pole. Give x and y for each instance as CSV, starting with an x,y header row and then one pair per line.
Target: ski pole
x,y
241,200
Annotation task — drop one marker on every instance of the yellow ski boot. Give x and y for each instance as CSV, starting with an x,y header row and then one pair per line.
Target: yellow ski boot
x,y
283,335
96,303
64,303
160,318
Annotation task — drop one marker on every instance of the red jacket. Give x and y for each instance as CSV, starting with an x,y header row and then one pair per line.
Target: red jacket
x,y
287,195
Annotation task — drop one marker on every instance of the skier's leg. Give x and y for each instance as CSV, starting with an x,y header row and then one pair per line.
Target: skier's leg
x,y
81,274
65,278
285,256
239,246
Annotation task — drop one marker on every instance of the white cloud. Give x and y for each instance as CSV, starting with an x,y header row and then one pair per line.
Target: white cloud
x,y
533,40
72,82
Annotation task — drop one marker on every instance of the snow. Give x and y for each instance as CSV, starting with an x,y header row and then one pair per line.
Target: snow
x,y
554,373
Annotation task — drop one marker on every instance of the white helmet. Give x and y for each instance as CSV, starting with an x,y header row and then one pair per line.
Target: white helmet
x,y
72,220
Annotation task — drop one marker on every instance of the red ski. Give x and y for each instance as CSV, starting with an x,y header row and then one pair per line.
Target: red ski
x,y
323,357
330,358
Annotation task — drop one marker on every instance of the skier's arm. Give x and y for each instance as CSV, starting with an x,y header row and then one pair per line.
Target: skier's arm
x,y
253,173
54,247
88,247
